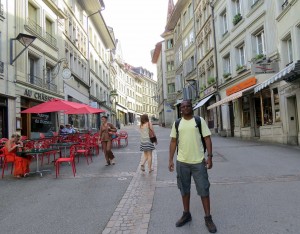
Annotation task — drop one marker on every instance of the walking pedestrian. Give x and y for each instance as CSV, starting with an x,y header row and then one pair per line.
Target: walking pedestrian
x,y
105,134
191,162
146,145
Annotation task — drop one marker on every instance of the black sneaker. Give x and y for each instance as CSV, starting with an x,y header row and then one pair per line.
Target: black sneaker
x,y
210,224
186,217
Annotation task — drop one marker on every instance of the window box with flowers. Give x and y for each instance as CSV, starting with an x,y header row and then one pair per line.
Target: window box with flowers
x,y
258,58
237,18
211,80
227,75
240,68
203,87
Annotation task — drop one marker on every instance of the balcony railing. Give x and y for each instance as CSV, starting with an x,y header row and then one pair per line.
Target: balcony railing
x,y
39,31
170,73
41,83
35,80
50,39
171,96
51,87
34,26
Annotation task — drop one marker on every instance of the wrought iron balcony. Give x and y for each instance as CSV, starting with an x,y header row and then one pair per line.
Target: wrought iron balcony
x,y
31,24
32,79
51,87
42,83
50,39
171,96
34,26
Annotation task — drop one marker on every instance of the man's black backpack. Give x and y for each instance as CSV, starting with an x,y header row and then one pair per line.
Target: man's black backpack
x,y
198,122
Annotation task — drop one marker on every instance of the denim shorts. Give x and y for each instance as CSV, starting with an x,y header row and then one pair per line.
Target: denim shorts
x,y
185,172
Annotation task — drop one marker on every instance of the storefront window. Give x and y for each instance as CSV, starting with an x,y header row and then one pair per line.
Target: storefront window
x,y
276,105
42,122
246,111
267,107
210,118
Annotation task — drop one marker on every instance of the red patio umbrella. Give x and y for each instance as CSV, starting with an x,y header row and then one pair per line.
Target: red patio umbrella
x,y
54,105
85,110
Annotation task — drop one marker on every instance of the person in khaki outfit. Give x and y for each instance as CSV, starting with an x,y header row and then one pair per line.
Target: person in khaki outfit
x,y
191,162
105,133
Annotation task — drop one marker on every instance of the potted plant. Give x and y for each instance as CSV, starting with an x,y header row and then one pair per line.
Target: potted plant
x,y
227,75
239,68
211,80
257,58
237,18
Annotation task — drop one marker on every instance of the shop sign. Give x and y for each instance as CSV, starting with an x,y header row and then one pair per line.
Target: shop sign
x,y
258,68
209,90
41,119
37,95
243,85
41,122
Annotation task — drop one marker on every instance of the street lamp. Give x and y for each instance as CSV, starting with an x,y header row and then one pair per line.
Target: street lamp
x,y
193,84
25,40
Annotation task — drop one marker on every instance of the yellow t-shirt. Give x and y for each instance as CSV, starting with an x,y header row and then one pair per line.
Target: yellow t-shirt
x,y
190,148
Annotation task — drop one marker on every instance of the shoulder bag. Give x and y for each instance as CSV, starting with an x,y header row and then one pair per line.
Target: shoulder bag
x,y
152,135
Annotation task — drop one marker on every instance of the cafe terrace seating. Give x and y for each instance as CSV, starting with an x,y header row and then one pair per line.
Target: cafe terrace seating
x,y
70,159
94,144
1,157
46,145
5,162
83,149
123,135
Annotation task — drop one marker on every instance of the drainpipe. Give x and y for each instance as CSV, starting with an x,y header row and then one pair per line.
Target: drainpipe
x,y
217,78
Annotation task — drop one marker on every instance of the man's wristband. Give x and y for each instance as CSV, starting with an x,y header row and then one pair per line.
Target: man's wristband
x,y
209,155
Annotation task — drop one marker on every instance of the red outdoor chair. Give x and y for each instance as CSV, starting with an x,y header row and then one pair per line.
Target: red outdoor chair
x,y
83,149
94,144
70,160
42,135
1,156
48,154
3,152
23,138
123,135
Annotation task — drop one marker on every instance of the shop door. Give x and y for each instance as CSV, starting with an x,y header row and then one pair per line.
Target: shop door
x,y
2,124
292,120
25,131
257,116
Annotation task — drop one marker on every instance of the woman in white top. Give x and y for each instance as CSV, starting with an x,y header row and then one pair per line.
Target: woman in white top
x,y
146,145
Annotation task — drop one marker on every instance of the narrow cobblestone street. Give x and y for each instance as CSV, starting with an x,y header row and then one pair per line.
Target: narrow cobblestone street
x,y
254,187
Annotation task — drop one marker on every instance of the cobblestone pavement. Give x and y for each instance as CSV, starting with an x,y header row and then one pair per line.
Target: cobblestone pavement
x,y
132,214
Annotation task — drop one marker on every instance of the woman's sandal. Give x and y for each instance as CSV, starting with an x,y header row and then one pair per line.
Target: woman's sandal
x,y
142,167
151,170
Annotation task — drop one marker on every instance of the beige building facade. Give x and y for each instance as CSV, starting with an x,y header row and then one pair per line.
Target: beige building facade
x,y
246,65
71,58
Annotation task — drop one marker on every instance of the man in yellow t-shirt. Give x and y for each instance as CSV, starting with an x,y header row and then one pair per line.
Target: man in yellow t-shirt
x,y
191,162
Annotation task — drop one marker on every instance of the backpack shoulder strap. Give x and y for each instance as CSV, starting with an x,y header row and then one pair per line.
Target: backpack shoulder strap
x,y
177,132
177,125
198,122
